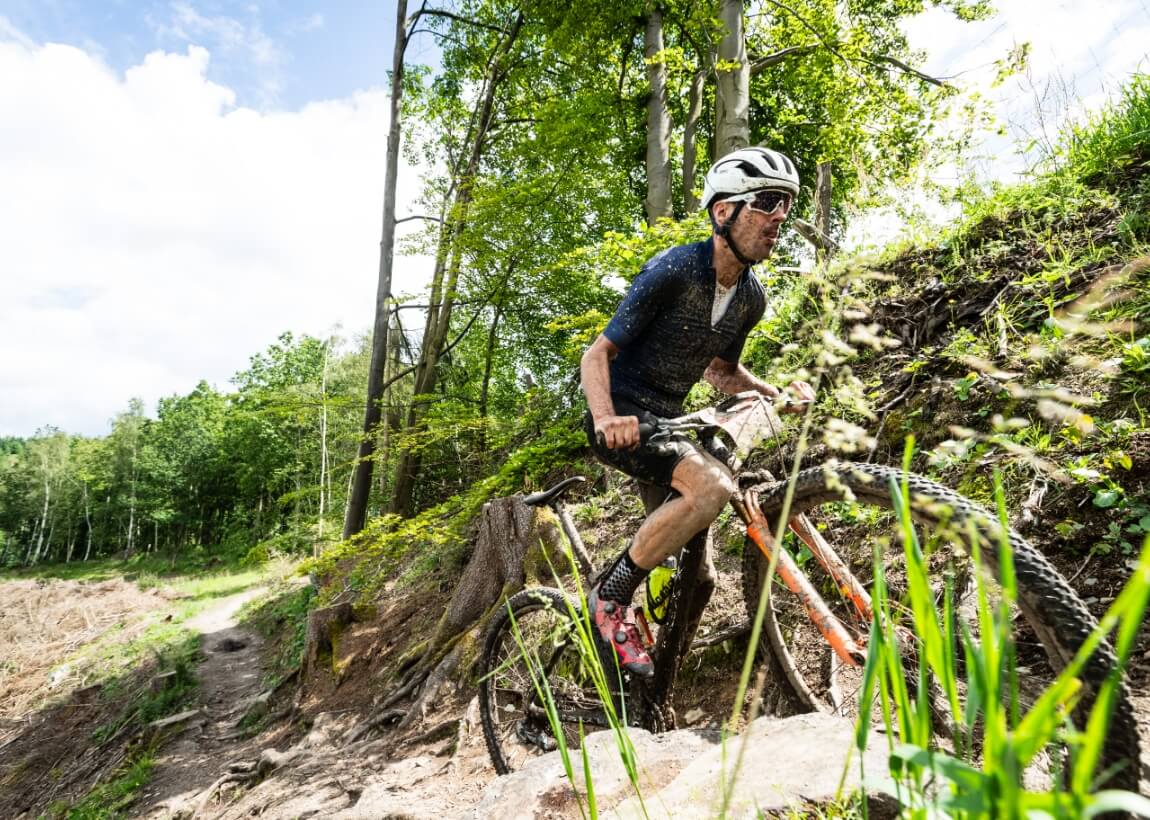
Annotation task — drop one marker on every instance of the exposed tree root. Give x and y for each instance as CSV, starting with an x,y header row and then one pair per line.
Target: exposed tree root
x,y
515,543
736,631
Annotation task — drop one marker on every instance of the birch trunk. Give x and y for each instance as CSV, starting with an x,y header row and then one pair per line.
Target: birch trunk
x,y
658,121
43,523
88,522
732,94
322,449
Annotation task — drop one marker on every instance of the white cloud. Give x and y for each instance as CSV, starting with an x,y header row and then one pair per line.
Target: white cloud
x,y
313,22
244,44
155,234
1080,52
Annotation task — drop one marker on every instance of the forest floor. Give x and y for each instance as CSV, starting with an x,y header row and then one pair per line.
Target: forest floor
x,y
58,753
224,759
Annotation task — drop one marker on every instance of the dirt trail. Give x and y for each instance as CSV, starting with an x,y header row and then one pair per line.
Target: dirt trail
x,y
229,679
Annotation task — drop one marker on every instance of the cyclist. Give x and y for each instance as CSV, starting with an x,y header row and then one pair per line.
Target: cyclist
x,y
685,317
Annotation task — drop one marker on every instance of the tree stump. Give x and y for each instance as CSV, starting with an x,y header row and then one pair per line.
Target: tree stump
x,y
514,543
323,625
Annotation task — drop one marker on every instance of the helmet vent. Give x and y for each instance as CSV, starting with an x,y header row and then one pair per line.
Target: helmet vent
x,y
750,170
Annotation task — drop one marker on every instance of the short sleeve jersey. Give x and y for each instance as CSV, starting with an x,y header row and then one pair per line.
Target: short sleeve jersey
x,y
663,328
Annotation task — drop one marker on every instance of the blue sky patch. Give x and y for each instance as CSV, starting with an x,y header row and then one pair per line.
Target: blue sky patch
x,y
275,55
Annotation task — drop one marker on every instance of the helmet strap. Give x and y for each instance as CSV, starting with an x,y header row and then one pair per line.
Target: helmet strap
x,y
724,231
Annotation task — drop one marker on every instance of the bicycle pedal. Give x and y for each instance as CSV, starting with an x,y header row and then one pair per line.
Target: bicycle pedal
x,y
535,736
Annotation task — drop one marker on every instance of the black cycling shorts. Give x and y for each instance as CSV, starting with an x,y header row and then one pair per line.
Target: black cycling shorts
x,y
653,462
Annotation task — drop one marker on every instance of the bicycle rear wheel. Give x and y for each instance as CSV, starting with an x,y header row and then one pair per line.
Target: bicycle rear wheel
x,y
852,505
531,653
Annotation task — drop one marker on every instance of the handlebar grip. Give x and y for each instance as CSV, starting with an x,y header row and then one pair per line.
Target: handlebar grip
x,y
646,430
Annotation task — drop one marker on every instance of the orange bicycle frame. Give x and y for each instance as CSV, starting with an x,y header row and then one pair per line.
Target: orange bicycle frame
x,y
832,629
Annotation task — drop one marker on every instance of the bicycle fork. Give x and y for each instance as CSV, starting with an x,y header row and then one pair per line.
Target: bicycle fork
x,y
832,629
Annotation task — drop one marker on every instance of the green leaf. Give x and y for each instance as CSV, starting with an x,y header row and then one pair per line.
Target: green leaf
x,y
1104,499
1118,801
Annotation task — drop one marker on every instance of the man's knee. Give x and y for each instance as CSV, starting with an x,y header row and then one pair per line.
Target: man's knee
x,y
716,488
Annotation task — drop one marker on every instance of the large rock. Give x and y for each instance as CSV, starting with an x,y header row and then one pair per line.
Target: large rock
x,y
541,788
787,764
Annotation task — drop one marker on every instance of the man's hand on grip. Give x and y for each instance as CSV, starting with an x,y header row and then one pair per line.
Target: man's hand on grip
x,y
618,432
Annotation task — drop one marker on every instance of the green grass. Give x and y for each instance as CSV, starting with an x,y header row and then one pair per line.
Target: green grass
x,y
141,705
283,615
147,571
111,800
1102,146
982,778
110,656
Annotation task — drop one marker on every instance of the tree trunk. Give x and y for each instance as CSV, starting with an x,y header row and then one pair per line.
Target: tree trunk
x,y
361,486
690,148
658,120
732,95
88,522
43,523
488,358
487,366
391,415
322,634
132,504
515,543
322,451
823,207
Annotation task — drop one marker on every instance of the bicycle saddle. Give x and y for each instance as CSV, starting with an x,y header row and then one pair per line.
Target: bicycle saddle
x,y
547,496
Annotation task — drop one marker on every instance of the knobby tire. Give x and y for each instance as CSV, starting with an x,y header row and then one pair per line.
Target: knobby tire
x,y
1055,613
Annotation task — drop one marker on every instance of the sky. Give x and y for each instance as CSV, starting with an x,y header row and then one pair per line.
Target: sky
x,y
181,182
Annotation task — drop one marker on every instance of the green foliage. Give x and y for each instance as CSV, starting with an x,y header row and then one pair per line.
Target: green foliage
x,y
1105,147
542,449
282,616
1135,366
210,476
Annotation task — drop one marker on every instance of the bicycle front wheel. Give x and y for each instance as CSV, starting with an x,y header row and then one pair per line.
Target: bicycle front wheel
x,y
536,684
854,507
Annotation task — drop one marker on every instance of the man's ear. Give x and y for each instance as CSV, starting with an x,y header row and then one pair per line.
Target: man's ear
x,y
720,211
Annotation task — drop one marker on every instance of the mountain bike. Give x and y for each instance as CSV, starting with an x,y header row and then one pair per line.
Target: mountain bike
x,y
535,672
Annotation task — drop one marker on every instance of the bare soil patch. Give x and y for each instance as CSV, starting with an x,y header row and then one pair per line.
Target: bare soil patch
x,y
44,623
48,712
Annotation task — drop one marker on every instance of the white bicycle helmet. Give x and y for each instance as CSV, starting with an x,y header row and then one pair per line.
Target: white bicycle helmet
x,y
749,169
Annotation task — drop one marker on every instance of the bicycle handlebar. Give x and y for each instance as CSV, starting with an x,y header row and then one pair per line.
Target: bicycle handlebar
x,y
657,424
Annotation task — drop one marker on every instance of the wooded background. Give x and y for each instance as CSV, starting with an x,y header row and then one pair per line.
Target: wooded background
x,y
564,144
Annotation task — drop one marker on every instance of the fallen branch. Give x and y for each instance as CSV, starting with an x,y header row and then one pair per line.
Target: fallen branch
x,y
736,631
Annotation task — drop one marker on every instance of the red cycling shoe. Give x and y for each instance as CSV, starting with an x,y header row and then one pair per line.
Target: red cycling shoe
x,y
614,624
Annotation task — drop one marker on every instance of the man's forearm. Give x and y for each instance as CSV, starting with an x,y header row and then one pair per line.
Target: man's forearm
x,y
595,374
738,380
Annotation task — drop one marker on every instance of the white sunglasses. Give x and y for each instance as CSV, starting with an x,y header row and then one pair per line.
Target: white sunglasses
x,y
765,202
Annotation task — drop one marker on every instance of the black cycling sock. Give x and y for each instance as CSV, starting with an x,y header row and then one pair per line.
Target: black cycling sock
x,y
621,580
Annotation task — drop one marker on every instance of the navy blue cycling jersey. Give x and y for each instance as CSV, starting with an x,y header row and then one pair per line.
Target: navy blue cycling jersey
x,y
663,328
